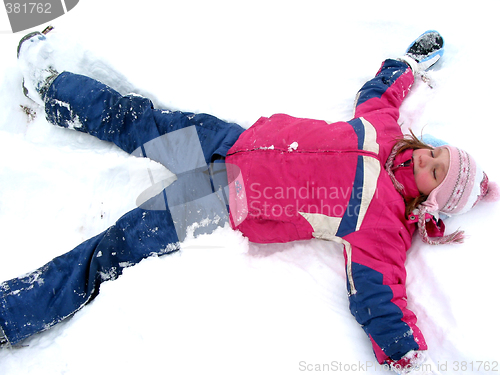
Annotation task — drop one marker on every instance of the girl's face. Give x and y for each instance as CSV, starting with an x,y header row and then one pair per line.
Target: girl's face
x,y
430,168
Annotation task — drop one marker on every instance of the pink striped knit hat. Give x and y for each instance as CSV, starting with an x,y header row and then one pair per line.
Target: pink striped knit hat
x,y
465,184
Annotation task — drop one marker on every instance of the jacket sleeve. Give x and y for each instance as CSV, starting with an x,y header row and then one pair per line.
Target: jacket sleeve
x,y
383,94
376,282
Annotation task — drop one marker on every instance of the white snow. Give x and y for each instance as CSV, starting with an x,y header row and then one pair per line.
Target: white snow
x,y
224,305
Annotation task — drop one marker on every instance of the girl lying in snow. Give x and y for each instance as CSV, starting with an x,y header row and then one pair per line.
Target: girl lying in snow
x,y
359,183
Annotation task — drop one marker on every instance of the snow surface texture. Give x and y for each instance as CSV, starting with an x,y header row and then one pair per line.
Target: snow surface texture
x,y
224,305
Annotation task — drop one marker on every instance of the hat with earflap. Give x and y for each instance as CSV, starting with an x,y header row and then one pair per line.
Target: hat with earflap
x,y
463,187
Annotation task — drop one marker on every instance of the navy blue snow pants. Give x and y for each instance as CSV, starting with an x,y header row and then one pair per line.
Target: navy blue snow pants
x,y
190,145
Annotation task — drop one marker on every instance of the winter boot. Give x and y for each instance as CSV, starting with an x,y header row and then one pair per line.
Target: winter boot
x,y
34,57
425,51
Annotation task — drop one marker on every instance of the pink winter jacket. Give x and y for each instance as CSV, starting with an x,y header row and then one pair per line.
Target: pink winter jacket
x,y
299,179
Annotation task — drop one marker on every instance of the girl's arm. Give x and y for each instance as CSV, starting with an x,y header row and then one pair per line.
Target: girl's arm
x,y
376,279
384,93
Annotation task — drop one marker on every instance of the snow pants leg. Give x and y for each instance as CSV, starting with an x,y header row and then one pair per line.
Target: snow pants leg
x,y
44,297
131,122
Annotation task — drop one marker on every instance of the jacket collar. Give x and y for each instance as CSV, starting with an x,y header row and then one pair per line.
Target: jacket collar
x,y
403,172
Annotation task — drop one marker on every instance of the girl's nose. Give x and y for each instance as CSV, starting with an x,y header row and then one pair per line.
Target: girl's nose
x,y
424,160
